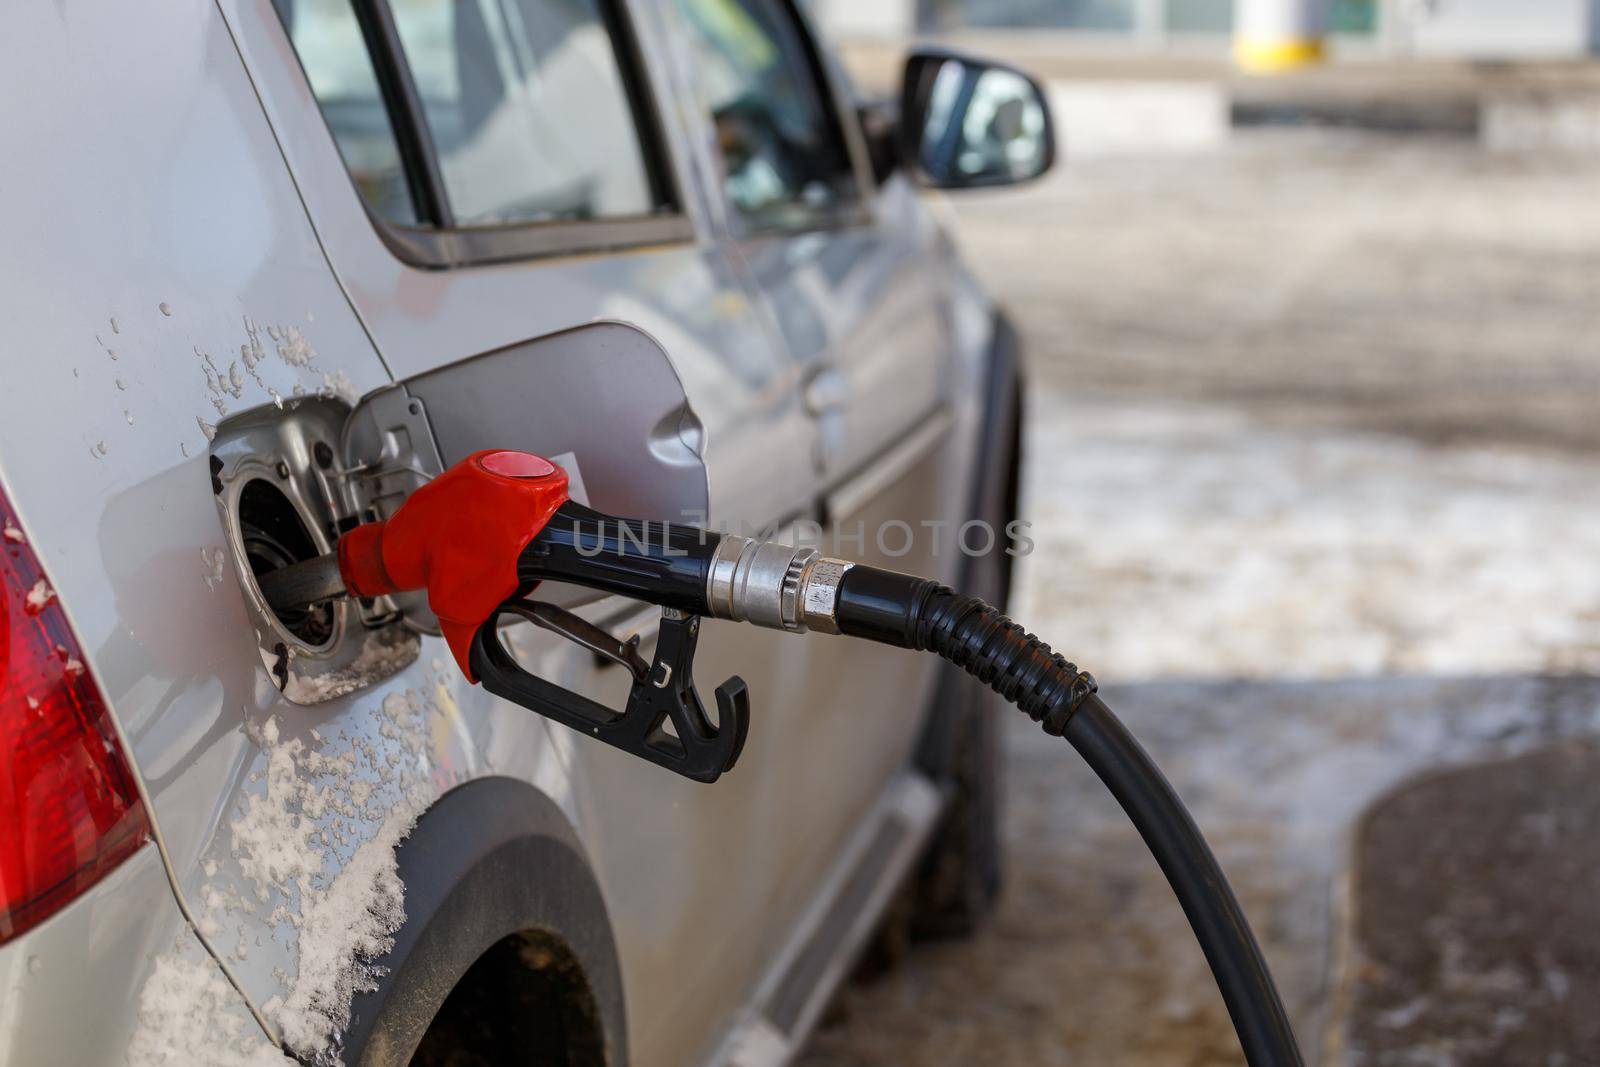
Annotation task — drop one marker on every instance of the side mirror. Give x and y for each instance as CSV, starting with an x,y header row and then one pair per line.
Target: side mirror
x,y
966,122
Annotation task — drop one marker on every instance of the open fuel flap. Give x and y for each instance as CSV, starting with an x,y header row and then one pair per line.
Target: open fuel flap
x,y
602,400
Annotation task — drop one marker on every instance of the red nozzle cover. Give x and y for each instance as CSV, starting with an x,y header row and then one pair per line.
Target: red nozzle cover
x,y
458,537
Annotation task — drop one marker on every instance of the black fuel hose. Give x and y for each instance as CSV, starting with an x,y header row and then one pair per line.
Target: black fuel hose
x,y
918,613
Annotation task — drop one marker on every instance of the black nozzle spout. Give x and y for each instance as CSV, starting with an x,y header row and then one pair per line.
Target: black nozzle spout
x,y
299,585
660,562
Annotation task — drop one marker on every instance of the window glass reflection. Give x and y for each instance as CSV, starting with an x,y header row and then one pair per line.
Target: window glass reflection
x,y
527,108
784,160
328,40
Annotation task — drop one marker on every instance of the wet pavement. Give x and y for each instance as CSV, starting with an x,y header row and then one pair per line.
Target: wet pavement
x,y
1501,968
1310,465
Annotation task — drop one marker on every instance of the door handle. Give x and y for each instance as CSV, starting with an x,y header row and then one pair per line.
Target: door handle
x,y
824,396
825,391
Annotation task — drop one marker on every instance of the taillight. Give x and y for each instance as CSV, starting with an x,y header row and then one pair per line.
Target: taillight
x,y
69,809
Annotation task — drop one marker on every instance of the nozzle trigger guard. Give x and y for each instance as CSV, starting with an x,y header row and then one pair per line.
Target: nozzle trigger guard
x,y
661,693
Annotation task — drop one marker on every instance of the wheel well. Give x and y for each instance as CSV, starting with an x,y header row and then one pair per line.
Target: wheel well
x,y
506,955
525,1000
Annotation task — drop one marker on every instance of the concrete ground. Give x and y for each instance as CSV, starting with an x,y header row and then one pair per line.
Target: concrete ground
x,y
1311,465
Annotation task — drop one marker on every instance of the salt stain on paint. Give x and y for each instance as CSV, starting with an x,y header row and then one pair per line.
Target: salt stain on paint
x,y
213,561
313,855
252,352
217,384
338,385
342,930
380,657
38,597
294,349
188,1013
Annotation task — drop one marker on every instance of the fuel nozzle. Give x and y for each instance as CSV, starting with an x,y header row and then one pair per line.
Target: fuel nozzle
x,y
302,584
481,537
457,537
500,522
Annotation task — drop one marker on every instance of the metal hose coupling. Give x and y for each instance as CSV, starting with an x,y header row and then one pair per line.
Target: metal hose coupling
x,y
774,585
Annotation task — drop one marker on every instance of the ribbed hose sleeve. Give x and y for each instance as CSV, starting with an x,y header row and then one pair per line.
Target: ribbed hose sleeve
x,y
919,613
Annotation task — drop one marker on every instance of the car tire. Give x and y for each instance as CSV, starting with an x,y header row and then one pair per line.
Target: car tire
x,y
959,878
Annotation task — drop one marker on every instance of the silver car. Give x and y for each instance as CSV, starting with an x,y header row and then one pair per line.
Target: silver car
x,y
270,265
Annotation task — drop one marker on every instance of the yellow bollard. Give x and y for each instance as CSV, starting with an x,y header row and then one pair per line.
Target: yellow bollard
x,y
1270,36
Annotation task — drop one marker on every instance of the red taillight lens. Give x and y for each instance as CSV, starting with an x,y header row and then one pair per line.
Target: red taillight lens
x,y
69,809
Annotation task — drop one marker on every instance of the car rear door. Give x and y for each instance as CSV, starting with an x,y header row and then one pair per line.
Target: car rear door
x,y
848,274
485,172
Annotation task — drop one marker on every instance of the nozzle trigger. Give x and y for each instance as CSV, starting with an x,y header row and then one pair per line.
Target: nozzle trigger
x,y
662,692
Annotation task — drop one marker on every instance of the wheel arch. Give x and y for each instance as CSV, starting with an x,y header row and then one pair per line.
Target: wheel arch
x,y
959,876
490,860
994,497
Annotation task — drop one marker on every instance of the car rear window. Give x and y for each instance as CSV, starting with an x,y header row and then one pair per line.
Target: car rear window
x,y
329,41
465,115
527,109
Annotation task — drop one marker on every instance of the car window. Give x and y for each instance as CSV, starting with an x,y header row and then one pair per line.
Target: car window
x,y
783,155
525,104
328,40
527,109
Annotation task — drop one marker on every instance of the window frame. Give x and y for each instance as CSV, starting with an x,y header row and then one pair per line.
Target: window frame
x,y
858,210
444,244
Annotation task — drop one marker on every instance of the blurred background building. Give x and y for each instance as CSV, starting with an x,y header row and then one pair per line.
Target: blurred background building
x,y
1507,29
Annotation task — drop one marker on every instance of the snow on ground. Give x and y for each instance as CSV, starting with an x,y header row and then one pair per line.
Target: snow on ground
x,y
1195,542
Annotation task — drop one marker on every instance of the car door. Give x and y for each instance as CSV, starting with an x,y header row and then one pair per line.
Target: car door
x,y
484,172
849,281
